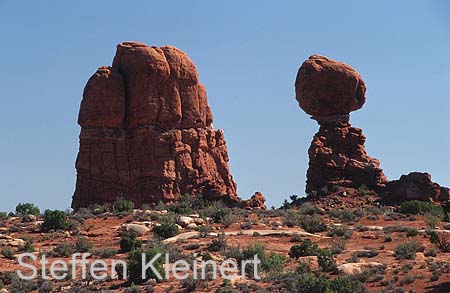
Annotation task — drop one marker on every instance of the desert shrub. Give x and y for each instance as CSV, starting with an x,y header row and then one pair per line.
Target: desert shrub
x,y
203,231
308,282
24,209
312,224
216,210
306,248
129,242
82,245
388,238
337,246
218,244
344,215
411,232
273,263
189,284
291,218
18,285
325,259
8,253
417,207
104,252
406,250
63,250
363,190
135,264
54,220
183,206
340,231
392,229
46,287
432,221
3,215
443,243
122,205
295,237
192,246
308,209
166,229
28,246
431,252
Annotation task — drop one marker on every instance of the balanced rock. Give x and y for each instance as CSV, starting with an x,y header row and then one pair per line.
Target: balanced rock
x,y
416,186
325,87
147,134
329,90
257,201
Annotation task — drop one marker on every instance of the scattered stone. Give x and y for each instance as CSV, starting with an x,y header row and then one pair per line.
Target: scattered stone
x,y
6,240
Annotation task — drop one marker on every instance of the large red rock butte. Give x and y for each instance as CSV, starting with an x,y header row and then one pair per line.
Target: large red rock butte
x,y
328,91
146,132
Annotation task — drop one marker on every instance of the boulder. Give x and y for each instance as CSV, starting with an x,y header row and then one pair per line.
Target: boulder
x,y
356,268
139,229
325,87
416,186
256,201
184,221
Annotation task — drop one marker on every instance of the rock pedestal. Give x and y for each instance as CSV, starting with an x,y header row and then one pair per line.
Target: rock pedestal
x,y
146,132
328,91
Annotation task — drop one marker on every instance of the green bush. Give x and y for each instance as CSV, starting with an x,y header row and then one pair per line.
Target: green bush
x,y
129,242
325,259
122,205
417,207
411,232
306,248
406,250
82,245
135,264
3,215
63,250
311,283
104,252
312,224
218,244
24,209
54,220
340,231
166,230
8,253
28,247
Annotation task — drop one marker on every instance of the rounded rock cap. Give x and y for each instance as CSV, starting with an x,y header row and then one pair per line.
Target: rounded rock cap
x,y
325,87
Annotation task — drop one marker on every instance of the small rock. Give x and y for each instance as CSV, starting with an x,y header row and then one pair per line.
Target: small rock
x,y
192,226
183,221
199,221
137,228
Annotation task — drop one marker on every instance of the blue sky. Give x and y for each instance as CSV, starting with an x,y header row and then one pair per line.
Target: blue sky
x,y
247,54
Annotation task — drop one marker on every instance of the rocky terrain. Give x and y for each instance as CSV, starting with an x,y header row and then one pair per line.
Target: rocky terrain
x,y
347,240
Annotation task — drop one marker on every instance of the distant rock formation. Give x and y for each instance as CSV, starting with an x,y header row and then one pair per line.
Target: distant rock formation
x,y
146,132
328,91
416,186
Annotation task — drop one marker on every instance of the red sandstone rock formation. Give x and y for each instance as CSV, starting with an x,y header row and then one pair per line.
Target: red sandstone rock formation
x,y
329,91
416,186
257,201
146,132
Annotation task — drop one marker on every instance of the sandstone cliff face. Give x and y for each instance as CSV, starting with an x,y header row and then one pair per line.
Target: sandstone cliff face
x,y
146,132
329,90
